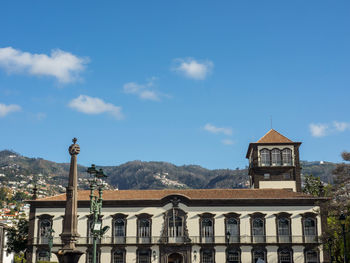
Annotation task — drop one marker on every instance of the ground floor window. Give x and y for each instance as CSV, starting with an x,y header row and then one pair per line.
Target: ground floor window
x,y
259,256
233,256
311,256
144,256
119,256
207,256
90,257
43,255
285,256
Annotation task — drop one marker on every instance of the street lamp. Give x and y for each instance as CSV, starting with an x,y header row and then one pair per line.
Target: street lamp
x,y
228,237
50,243
96,207
342,219
195,255
330,244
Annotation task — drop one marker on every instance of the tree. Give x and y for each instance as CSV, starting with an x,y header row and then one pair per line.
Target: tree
x,y
17,237
313,186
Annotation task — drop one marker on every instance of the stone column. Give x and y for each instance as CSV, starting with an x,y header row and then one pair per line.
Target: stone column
x,y
69,236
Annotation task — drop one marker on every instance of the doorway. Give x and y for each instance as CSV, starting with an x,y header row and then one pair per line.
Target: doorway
x,y
175,258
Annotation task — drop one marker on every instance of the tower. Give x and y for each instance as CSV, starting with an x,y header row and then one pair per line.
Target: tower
x,y
274,162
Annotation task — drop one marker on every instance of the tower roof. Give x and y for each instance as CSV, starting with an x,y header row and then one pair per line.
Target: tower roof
x,y
273,136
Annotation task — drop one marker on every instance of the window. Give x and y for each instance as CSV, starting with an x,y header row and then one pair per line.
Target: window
x,y
175,226
90,254
144,231
118,256
43,255
310,230
233,256
208,256
286,176
266,176
207,228
144,256
276,157
287,157
232,230
283,230
144,228
45,228
285,256
258,230
259,256
119,228
265,157
311,256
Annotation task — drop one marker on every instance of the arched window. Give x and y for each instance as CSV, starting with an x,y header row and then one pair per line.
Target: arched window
x,y
119,230
287,157
207,227
207,256
283,230
311,256
276,157
259,256
175,226
119,256
265,157
233,256
45,228
144,225
144,256
232,230
258,230
310,230
285,256
89,258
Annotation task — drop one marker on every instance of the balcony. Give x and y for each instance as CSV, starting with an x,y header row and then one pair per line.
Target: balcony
x,y
244,240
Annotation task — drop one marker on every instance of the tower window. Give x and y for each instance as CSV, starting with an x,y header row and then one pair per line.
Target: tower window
x,y
287,157
276,157
265,157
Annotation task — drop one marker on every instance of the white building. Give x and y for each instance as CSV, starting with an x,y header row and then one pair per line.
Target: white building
x,y
272,222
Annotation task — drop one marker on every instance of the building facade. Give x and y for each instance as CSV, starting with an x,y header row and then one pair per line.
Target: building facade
x,y
271,222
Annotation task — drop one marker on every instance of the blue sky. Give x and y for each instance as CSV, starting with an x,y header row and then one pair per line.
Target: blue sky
x,y
187,82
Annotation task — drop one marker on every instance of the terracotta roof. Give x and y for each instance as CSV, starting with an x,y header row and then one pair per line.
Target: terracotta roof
x,y
193,194
273,136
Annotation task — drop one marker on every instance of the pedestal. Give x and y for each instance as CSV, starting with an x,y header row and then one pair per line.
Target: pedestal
x,y
68,256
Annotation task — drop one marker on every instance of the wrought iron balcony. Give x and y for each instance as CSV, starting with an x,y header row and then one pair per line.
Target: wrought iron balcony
x,y
244,240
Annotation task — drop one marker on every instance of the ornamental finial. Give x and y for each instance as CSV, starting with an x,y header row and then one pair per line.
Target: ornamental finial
x,y
74,149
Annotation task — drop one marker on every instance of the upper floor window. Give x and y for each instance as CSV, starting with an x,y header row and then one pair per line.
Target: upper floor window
x,y
144,256
276,157
207,256
283,227
207,227
45,228
311,256
285,256
233,256
119,256
175,226
258,227
309,226
265,157
144,228
287,157
119,228
232,227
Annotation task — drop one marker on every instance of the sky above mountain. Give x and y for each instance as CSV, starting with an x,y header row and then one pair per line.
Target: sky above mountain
x,y
188,82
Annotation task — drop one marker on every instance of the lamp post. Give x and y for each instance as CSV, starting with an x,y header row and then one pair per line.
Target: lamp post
x,y
50,243
228,234
96,207
330,244
342,219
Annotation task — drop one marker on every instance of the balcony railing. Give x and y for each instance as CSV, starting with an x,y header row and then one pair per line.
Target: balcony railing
x,y
194,240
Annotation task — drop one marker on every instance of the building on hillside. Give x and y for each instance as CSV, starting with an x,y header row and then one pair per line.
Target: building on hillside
x,y
4,256
271,222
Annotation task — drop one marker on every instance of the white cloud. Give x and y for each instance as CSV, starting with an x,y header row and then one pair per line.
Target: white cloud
x,y
213,129
91,105
7,109
341,126
192,68
64,66
143,91
318,130
227,142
